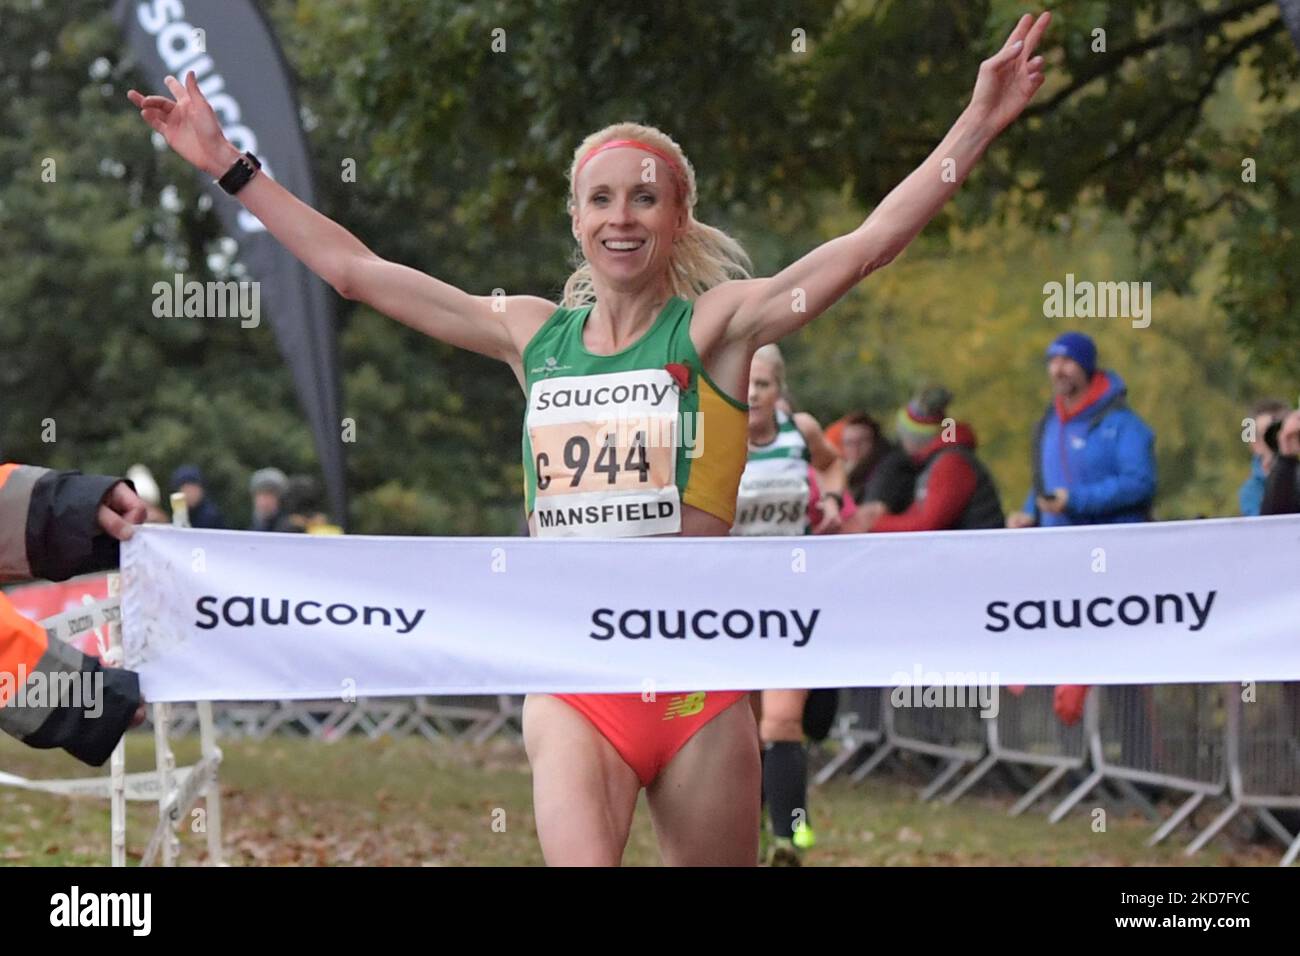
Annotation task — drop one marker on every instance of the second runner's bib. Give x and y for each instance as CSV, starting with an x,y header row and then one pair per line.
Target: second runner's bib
x,y
774,489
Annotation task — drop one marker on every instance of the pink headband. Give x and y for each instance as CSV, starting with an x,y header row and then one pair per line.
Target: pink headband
x,y
635,144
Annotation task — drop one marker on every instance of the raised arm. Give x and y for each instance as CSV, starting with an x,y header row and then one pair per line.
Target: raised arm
x,y
495,327
765,310
829,468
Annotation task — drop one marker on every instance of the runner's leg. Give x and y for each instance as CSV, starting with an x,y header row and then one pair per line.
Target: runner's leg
x,y
704,804
785,762
584,795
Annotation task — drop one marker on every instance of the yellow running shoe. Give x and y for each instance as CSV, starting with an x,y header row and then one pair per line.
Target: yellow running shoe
x,y
804,838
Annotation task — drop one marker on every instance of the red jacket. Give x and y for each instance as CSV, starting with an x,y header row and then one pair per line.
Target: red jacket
x,y
949,489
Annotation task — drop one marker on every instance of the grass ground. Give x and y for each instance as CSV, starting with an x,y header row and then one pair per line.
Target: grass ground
x,y
292,801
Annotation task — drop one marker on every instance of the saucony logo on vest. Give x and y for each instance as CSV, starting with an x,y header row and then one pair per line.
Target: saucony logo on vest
x,y
588,397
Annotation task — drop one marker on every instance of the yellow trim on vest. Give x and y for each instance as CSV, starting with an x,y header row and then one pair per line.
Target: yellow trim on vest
x,y
714,480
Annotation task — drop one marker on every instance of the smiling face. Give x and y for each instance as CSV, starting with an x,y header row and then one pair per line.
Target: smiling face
x,y
625,224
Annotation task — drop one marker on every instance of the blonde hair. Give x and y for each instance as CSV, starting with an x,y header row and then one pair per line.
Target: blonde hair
x,y
702,258
771,354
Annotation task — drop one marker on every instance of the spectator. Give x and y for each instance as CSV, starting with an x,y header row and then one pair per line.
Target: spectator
x,y
204,513
268,486
1093,457
1282,497
953,489
878,470
1264,414
1097,457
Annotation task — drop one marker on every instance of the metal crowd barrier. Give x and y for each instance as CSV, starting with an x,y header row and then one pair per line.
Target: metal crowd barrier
x,y
860,725
464,719
1026,731
1263,756
952,734
1199,740
1166,735
1178,738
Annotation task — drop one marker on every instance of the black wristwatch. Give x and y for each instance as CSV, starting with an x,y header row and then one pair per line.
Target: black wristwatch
x,y
239,175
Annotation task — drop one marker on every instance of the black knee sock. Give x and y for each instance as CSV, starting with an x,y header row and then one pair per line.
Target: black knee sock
x,y
785,785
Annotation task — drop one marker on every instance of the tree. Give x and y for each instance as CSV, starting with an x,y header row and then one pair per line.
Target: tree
x,y
785,100
89,221
1140,116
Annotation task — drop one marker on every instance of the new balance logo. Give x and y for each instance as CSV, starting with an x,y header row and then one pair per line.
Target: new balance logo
x,y
685,706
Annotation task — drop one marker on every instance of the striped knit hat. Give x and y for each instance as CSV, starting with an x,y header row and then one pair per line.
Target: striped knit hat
x,y
923,416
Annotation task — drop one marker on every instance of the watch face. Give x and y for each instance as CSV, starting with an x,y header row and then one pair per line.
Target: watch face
x,y
239,174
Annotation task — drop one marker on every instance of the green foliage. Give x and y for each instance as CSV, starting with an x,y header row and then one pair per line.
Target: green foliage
x,y
1157,127
82,350
972,317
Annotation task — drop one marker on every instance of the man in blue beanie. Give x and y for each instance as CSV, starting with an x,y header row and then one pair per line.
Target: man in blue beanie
x,y
1093,457
1094,463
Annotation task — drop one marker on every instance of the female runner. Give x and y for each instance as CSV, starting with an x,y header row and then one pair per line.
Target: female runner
x,y
775,492
656,304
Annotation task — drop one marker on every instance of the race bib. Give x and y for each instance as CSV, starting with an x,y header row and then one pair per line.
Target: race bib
x,y
605,455
773,504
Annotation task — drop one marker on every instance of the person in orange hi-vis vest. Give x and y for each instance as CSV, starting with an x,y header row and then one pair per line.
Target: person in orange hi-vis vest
x,y
54,525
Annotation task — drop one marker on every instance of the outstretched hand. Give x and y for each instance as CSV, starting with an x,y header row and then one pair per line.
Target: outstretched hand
x,y
120,511
1009,79
188,124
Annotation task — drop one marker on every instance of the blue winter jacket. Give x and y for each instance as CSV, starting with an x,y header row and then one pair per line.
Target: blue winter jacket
x,y
1105,456
1251,494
